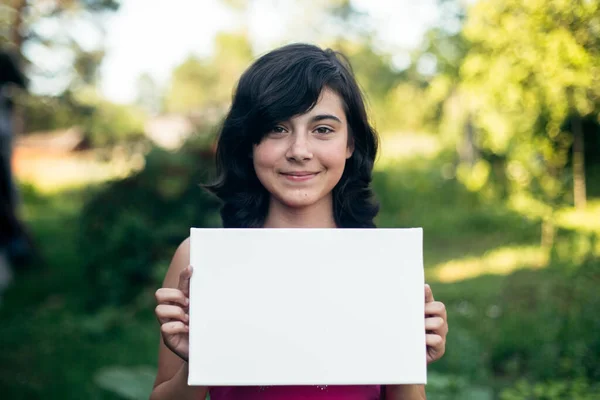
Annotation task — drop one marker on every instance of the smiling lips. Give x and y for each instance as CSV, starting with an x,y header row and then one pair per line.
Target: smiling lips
x,y
299,176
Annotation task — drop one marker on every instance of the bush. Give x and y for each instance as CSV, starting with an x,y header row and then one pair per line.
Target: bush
x,y
549,325
103,123
577,389
537,327
131,228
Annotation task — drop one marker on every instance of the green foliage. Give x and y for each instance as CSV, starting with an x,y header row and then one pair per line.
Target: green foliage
x,y
39,28
45,113
51,348
454,387
128,383
113,123
200,84
103,123
131,228
530,67
564,306
419,192
576,389
535,325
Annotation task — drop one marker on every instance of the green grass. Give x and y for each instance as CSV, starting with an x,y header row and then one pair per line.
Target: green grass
x,y
52,346
456,223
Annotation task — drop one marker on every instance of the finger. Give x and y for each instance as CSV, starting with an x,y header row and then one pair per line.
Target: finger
x,y
435,341
166,313
434,324
174,328
428,294
436,309
184,280
171,296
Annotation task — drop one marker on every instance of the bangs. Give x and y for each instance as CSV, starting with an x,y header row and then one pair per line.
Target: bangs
x,y
278,89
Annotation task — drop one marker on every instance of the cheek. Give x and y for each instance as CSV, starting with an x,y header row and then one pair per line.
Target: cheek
x,y
335,158
264,155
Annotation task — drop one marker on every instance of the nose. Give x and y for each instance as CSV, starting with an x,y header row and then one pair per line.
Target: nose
x,y
299,149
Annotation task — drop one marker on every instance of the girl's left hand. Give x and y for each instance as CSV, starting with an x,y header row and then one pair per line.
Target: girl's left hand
x,y
436,327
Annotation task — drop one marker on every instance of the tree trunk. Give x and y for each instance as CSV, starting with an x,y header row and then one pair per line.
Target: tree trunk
x,y
467,152
579,190
548,231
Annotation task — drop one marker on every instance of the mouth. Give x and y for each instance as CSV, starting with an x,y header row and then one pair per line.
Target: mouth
x,y
300,176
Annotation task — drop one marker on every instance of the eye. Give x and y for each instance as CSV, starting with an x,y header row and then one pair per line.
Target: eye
x,y
323,130
277,130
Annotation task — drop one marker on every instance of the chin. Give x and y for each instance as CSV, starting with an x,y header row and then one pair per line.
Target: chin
x,y
298,201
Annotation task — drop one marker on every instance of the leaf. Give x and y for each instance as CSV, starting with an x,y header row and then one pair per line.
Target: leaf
x,y
128,382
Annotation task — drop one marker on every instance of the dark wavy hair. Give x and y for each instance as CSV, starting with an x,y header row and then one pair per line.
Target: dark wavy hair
x,y
279,85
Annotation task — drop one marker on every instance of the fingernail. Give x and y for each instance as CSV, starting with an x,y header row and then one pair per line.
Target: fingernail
x,y
187,301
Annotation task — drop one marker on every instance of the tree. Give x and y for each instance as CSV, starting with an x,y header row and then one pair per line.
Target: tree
x,y
200,84
435,68
531,70
38,28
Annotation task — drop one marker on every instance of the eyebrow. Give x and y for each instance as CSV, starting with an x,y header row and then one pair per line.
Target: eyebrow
x,y
322,117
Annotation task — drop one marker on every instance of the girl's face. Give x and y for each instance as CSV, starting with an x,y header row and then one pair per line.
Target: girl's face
x,y
301,160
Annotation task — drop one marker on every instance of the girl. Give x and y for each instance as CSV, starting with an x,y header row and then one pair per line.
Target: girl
x,y
296,150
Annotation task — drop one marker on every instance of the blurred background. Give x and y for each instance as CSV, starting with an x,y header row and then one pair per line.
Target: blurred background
x,y
489,117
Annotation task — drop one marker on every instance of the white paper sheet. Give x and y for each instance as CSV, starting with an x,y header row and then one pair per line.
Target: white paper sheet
x,y
306,307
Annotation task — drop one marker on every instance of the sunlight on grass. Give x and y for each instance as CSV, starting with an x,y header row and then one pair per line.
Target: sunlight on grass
x,y
54,175
501,261
404,146
585,220
528,206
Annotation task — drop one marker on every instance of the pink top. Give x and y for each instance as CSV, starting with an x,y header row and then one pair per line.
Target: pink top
x,y
295,392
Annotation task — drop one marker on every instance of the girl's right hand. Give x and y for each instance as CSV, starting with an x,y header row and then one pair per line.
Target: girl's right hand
x,y
172,313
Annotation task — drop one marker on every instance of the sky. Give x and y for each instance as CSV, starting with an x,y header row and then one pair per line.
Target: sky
x,y
154,36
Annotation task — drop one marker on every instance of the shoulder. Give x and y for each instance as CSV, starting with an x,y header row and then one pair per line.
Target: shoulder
x,y
183,252
180,260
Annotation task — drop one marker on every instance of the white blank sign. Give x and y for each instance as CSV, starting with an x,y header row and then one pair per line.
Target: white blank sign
x,y
306,307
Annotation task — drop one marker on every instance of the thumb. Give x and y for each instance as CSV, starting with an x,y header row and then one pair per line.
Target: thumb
x,y
428,294
184,280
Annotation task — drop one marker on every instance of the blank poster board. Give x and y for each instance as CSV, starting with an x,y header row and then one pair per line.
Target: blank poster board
x,y
306,307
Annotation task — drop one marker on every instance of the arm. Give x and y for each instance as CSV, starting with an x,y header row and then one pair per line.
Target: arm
x,y
177,388
171,378
405,392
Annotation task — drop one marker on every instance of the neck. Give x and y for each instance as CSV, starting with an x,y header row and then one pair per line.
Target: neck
x,y
318,215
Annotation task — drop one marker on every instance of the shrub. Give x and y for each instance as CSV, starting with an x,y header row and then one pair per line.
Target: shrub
x,y
549,325
577,389
131,227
